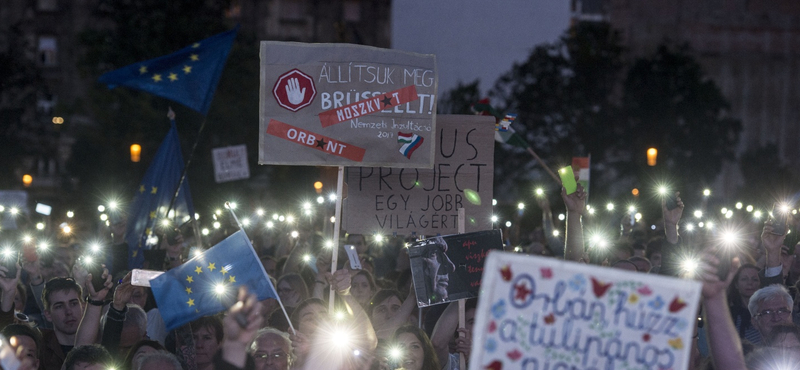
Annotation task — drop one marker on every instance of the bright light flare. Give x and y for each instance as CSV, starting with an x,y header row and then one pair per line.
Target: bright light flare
x,y
289,219
103,217
508,223
739,205
332,197
610,206
690,265
246,221
306,257
662,190
216,224
749,208
328,244
14,211
320,199
39,226
94,247
260,212
295,234
637,216
689,227
101,208
494,202
757,214
539,192
706,192
27,238
205,231
270,224
66,229
165,222
112,205
555,233
44,246
219,289
561,217
379,238
698,214
70,214
521,206
494,218
395,353
306,205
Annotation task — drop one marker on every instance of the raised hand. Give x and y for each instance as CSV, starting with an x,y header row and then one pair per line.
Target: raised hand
x,y
672,216
294,93
575,202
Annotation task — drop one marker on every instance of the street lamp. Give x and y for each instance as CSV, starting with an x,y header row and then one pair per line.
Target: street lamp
x,y
652,153
136,153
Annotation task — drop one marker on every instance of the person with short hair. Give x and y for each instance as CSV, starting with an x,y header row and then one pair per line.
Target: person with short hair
x,y
88,357
63,306
770,307
272,350
27,337
207,335
161,360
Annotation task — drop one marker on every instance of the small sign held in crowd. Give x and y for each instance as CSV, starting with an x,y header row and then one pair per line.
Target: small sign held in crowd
x,y
449,268
540,313
230,163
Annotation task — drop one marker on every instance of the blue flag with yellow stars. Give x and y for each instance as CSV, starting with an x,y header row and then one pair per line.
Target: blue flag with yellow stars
x,y
153,197
188,76
208,283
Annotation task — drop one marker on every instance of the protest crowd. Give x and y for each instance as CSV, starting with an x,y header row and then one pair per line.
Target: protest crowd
x,y
59,316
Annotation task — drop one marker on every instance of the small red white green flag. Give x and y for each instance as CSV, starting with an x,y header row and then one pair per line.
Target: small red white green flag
x,y
581,165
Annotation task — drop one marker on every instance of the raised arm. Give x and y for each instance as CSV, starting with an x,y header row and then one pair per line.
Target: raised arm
x,y
400,318
341,281
723,339
671,219
576,204
443,332
90,324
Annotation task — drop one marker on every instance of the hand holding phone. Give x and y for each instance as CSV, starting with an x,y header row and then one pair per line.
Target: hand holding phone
x,y
568,179
95,268
9,259
671,201
779,219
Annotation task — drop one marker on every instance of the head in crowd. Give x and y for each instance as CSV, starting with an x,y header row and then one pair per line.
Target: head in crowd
x,y
785,336
88,357
437,267
383,306
358,241
362,287
309,314
744,284
292,289
270,265
770,307
134,329
140,349
272,350
417,352
207,334
653,252
642,264
63,304
625,265
161,360
774,358
621,250
29,338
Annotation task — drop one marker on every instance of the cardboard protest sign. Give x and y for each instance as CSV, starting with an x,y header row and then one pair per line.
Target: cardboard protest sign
x,y
405,201
230,163
449,268
346,105
543,313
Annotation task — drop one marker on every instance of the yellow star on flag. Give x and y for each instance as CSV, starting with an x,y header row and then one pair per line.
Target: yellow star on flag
x,y
211,266
188,290
189,278
156,77
147,231
152,214
142,70
153,189
191,302
135,253
198,270
173,77
196,45
187,69
141,188
223,270
232,279
194,57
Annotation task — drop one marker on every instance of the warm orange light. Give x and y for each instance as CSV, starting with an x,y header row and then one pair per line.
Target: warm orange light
x,y
27,180
652,153
635,192
136,152
318,187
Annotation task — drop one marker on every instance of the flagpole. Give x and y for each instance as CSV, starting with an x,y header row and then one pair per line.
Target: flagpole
x,y
541,162
337,226
171,115
278,298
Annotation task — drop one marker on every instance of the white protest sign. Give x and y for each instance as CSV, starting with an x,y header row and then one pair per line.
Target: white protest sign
x,y
346,105
230,163
407,200
543,313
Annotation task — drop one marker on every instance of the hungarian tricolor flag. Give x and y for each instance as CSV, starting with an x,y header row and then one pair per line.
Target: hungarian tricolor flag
x,y
580,165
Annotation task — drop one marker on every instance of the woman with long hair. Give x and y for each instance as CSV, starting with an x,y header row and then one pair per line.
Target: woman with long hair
x,y
416,349
744,284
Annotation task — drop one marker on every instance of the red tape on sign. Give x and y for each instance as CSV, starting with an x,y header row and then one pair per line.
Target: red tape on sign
x,y
315,141
368,106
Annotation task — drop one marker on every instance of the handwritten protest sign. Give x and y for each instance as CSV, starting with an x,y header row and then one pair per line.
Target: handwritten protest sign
x,y
403,201
230,163
346,105
449,268
542,313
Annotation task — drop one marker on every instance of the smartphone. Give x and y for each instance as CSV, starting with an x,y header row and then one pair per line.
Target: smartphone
x,y
142,277
352,255
9,259
568,179
95,268
779,219
43,209
724,266
672,201
29,252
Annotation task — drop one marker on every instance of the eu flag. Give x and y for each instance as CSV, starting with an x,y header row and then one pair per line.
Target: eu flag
x,y
154,196
188,76
208,283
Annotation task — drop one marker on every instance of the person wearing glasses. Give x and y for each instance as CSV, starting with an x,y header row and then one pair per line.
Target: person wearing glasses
x,y
770,307
272,350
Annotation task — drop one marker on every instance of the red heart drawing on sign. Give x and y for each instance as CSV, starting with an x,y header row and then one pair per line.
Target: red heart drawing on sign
x,y
514,355
600,288
505,272
492,327
495,365
546,272
676,305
